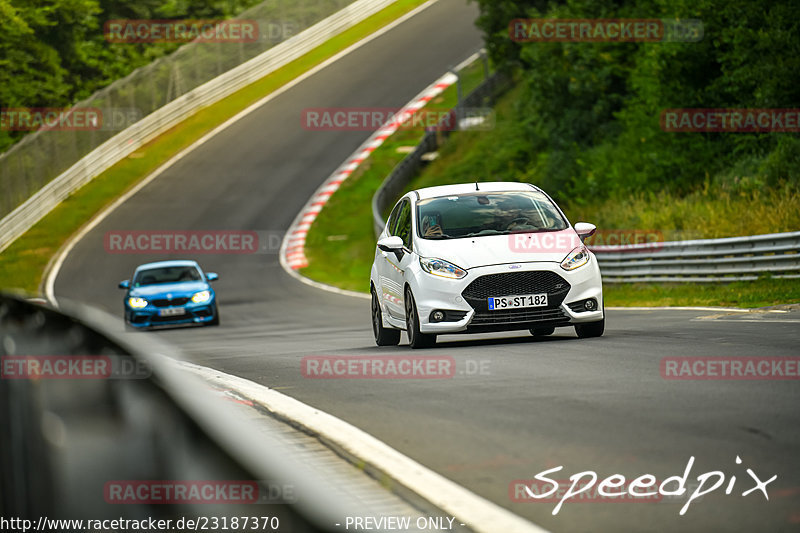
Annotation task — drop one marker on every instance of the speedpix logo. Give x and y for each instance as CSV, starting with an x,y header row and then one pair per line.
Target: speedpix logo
x,y
645,486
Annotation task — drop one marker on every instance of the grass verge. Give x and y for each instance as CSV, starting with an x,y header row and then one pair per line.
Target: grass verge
x,y
23,263
759,293
340,245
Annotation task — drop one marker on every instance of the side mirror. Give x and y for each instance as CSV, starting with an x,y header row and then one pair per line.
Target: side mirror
x,y
212,276
125,284
391,244
584,230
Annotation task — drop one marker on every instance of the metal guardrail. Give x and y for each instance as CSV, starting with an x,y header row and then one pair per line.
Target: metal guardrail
x,y
54,184
64,439
396,182
703,260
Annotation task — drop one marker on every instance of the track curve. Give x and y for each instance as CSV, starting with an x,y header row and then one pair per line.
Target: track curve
x,y
597,404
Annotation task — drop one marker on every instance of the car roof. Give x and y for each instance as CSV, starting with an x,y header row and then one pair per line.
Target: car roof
x,y
173,263
461,188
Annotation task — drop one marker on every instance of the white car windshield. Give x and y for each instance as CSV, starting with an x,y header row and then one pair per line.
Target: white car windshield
x,y
479,213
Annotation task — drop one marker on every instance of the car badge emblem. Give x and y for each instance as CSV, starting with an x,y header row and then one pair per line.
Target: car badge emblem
x,y
514,266
169,296
559,285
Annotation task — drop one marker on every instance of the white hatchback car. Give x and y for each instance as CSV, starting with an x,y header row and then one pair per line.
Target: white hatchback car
x,y
482,257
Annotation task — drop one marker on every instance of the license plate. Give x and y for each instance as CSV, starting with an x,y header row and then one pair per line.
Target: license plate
x,y
172,311
517,302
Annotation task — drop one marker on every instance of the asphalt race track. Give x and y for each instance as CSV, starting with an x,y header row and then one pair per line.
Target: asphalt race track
x,y
517,405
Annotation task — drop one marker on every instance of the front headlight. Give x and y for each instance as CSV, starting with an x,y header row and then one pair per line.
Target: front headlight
x,y
137,303
576,258
440,267
201,297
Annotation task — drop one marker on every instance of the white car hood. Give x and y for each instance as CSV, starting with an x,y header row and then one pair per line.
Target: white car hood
x,y
471,252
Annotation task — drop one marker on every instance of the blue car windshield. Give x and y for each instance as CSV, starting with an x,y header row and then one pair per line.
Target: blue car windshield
x,y
175,274
487,213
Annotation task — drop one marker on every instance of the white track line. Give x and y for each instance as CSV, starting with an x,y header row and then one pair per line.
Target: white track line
x,y
477,513
58,261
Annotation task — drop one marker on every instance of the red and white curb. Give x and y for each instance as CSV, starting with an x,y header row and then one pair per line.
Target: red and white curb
x,y
292,253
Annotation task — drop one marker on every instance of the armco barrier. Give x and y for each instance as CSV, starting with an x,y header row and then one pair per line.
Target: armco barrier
x,y
704,260
154,421
132,138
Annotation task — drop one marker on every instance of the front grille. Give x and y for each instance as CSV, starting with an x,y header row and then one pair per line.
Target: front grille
x,y
155,319
520,316
514,283
163,302
479,291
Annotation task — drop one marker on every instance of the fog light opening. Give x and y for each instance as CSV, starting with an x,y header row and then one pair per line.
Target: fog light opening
x,y
590,304
437,316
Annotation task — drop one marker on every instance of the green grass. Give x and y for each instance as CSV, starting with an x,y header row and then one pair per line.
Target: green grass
x,y
23,263
759,293
341,245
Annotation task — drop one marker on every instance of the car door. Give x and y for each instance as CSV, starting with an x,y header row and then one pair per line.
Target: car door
x,y
382,265
394,264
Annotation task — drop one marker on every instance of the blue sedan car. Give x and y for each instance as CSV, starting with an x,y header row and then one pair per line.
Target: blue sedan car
x,y
170,293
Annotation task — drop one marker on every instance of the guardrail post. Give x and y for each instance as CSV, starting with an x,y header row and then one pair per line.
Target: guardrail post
x,y
485,61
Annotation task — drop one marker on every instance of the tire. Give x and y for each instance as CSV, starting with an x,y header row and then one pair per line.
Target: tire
x,y
592,329
383,336
541,332
215,321
416,339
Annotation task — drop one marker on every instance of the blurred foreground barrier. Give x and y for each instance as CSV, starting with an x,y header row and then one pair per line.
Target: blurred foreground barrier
x,y
96,423
46,167
703,260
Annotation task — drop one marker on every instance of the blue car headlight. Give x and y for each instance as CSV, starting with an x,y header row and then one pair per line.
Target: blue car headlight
x,y
137,303
202,296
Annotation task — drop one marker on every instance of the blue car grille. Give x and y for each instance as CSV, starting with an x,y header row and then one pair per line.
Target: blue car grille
x,y
164,302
